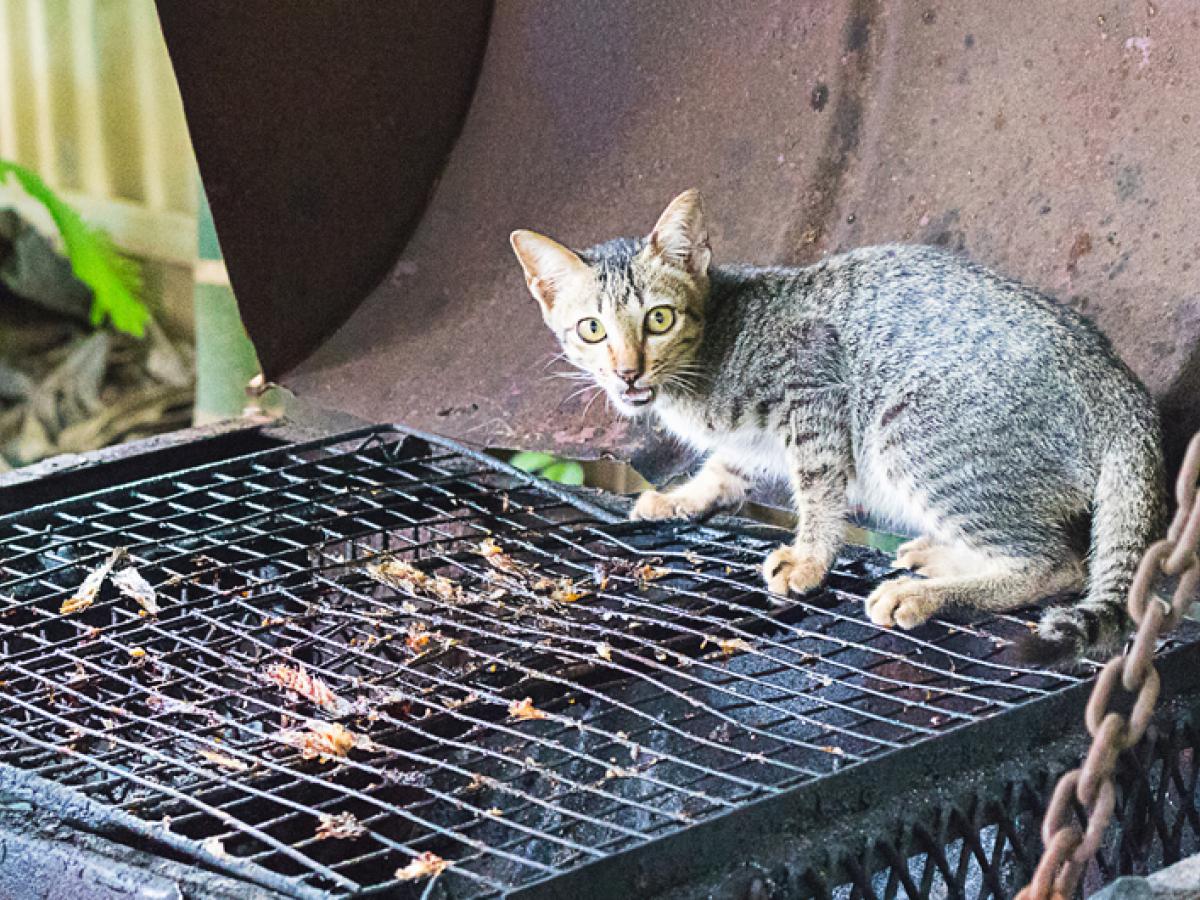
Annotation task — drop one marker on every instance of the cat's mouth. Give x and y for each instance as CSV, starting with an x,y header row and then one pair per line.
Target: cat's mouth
x,y
637,396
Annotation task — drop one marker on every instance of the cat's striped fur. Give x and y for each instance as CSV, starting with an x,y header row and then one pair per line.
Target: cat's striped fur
x,y
978,413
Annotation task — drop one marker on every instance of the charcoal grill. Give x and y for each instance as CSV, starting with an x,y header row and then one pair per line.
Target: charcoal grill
x,y
695,738
694,727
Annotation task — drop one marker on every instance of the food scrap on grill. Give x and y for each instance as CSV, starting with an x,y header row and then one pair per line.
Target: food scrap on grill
x,y
418,636
86,595
497,557
343,826
730,646
398,574
423,865
642,572
524,709
225,762
161,703
310,687
325,739
564,590
129,581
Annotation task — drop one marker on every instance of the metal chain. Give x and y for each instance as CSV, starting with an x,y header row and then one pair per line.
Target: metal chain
x,y
1068,847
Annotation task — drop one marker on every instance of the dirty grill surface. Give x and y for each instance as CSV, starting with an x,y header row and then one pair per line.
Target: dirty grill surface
x,y
573,688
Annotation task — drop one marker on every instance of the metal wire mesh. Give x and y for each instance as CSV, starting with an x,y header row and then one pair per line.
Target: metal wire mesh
x,y
988,846
664,685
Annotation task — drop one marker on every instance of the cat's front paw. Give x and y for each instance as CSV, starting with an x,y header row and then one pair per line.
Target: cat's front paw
x,y
787,569
653,506
907,602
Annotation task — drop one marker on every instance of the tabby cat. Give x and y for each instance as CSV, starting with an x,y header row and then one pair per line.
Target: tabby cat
x,y
952,402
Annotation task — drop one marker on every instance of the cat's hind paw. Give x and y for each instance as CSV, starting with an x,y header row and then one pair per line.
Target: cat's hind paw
x,y
906,602
788,569
916,544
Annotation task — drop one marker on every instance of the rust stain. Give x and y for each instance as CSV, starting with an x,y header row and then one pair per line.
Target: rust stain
x,y
1082,247
820,203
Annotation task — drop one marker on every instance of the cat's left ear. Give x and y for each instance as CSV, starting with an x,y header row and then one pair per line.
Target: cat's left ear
x,y
680,237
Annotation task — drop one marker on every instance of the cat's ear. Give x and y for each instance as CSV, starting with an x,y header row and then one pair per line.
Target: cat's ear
x,y
680,237
548,265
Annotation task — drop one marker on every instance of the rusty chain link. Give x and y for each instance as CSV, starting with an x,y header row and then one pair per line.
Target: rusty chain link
x,y
1068,847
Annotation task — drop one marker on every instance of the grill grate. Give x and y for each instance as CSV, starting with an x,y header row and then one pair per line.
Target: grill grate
x,y
670,694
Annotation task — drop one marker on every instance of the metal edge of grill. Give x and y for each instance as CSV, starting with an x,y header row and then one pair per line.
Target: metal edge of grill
x,y
731,831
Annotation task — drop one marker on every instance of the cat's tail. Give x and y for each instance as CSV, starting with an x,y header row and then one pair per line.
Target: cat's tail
x,y
1129,511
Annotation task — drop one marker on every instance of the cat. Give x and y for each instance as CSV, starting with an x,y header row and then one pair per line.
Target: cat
x,y
956,404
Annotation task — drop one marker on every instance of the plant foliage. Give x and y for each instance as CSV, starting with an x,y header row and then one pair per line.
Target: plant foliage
x,y
115,280
564,471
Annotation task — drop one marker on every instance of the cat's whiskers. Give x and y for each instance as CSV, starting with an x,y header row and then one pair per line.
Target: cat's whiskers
x,y
685,376
599,391
554,357
575,393
570,376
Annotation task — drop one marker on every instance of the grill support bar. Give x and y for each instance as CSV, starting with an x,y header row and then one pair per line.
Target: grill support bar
x,y
82,812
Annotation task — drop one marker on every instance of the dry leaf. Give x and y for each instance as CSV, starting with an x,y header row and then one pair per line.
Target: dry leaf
x,y
129,581
604,651
564,591
418,636
396,573
641,572
524,709
343,826
836,751
86,595
310,687
730,646
649,572
225,762
324,739
423,866
497,558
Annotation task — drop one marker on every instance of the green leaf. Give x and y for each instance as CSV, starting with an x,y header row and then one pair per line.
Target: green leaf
x,y
115,280
530,461
564,472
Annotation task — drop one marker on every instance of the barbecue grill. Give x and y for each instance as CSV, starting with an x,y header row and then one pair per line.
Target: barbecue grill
x,y
665,721
379,662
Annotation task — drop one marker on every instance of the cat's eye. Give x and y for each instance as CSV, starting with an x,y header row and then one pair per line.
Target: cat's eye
x,y
660,319
591,330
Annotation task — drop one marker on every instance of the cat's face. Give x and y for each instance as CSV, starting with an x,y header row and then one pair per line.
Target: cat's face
x,y
630,313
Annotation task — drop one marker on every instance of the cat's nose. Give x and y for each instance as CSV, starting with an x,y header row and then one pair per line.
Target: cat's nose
x,y
629,376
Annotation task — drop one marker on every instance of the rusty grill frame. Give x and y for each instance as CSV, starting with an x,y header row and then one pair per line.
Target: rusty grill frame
x,y
248,552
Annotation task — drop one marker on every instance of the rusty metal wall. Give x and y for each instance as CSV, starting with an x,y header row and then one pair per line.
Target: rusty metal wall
x,y
1057,142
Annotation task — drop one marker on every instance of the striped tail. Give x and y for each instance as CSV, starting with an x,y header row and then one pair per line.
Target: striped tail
x,y
1129,512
